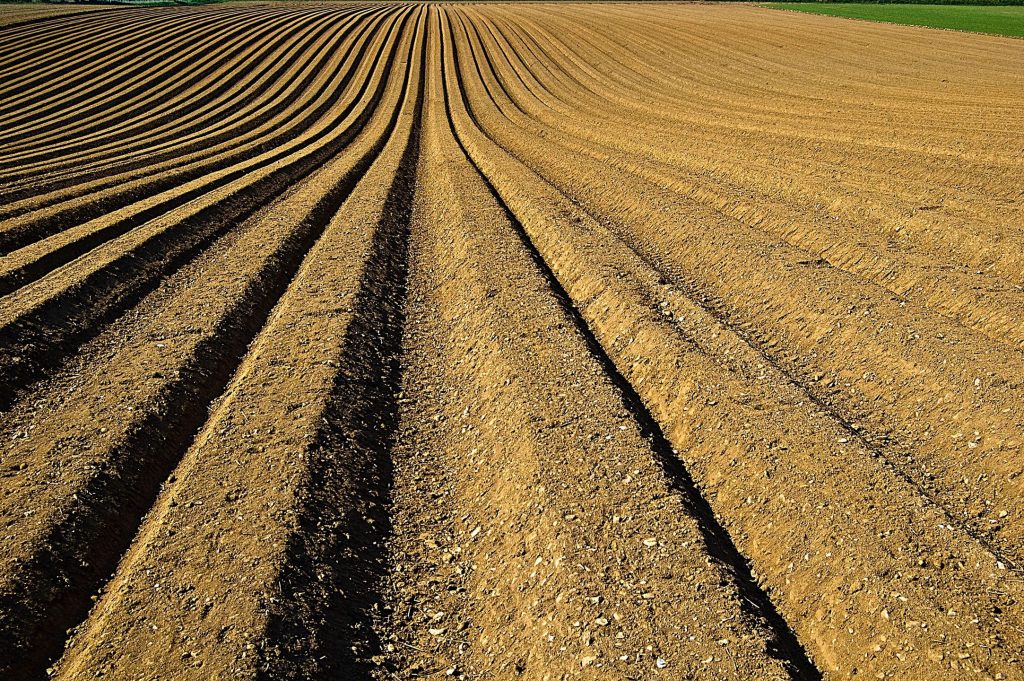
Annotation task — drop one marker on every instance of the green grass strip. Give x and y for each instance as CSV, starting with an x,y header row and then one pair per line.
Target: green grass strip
x,y
997,20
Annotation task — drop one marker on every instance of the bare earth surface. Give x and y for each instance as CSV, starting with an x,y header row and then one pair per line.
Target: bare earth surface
x,y
509,341
16,13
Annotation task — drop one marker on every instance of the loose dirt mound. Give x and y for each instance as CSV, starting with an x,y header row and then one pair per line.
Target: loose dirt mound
x,y
509,340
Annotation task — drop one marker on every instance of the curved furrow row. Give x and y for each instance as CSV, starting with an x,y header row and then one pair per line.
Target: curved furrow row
x,y
112,260
44,44
320,83
233,110
489,341
95,38
187,337
222,68
998,59
966,241
868,352
828,535
235,138
747,63
982,302
25,16
967,177
969,182
116,101
218,81
104,68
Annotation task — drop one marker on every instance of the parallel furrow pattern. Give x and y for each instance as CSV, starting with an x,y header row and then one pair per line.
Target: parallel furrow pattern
x,y
507,340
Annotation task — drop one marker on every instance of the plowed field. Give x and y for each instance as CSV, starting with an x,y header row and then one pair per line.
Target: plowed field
x,y
21,13
540,341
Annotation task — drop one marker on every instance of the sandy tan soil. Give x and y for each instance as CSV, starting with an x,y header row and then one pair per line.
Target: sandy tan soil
x,y
500,341
19,12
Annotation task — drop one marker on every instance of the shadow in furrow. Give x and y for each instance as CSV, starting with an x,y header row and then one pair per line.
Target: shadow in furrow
x,y
337,560
878,445
80,212
33,142
784,645
51,593
279,82
25,115
28,23
31,348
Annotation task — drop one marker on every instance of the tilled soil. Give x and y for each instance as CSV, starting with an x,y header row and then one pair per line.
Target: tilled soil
x,y
542,341
24,12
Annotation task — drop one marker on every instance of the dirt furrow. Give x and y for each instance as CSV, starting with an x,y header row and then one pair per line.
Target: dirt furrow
x,y
856,575
187,346
559,484
43,321
227,97
323,80
31,55
880,349
119,117
83,85
123,46
684,101
316,388
25,15
954,229
635,56
982,302
226,70
46,38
